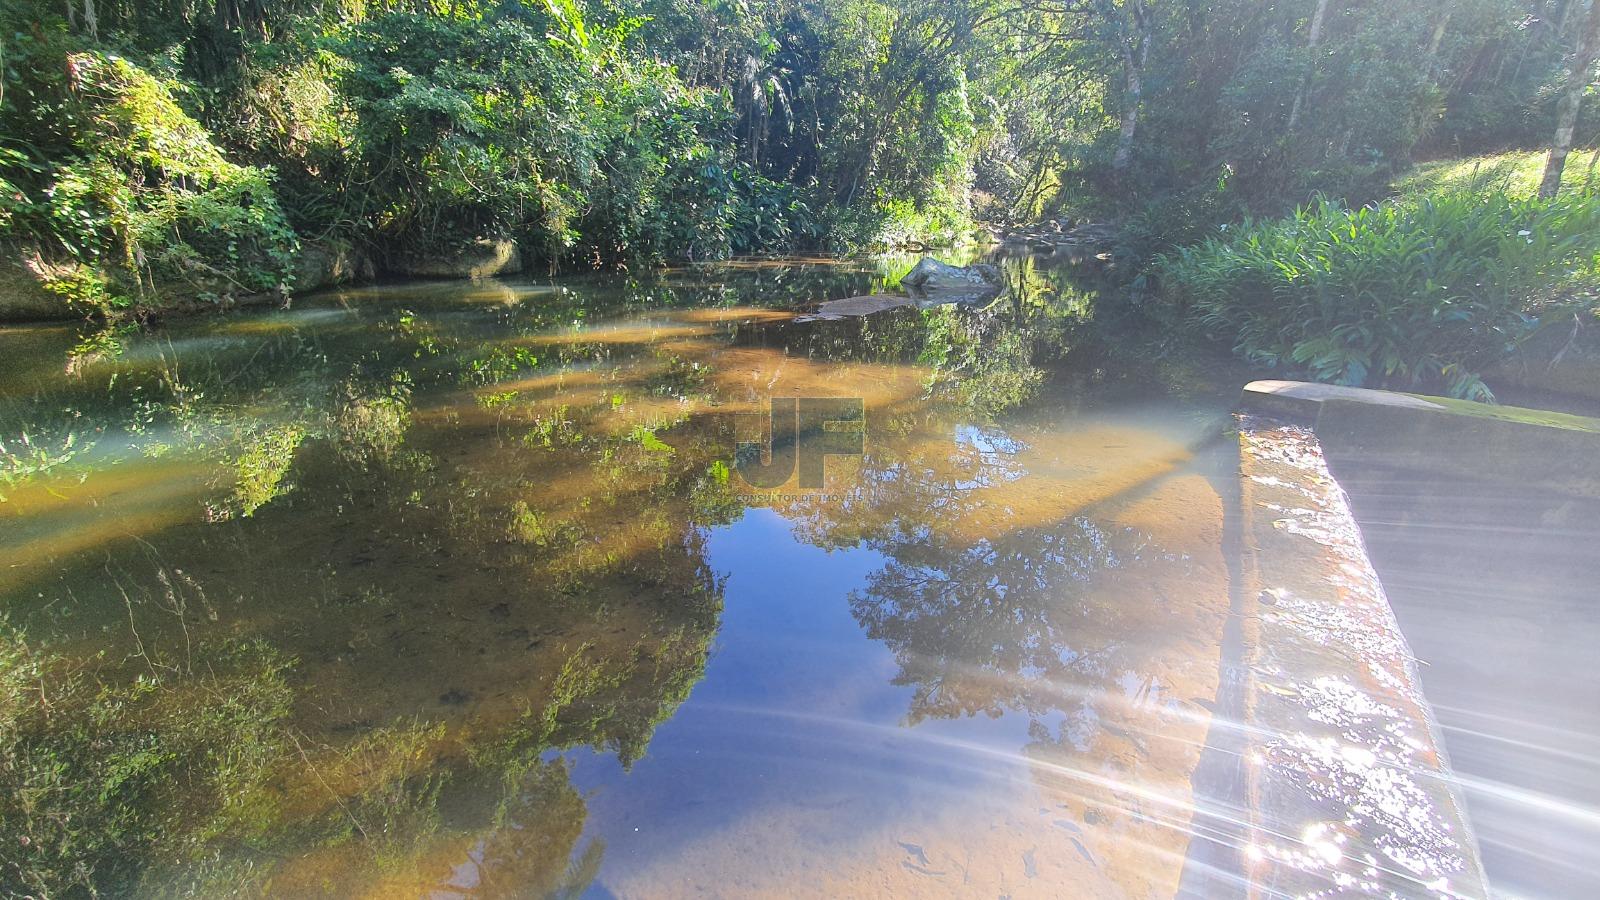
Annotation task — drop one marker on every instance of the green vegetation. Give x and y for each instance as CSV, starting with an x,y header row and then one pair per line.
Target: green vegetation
x,y
163,697
136,193
161,155
153,157
1516,173
1425,289
422,485
99,775
189,778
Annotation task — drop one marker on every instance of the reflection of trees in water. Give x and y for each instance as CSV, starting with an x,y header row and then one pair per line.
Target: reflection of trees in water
x,y
527,847
273,777
392,516
982,616
1068,628
1003,624
783,284
610,582
438,542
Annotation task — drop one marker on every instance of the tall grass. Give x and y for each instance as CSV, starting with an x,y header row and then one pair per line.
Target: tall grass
x,y
1517,172
1423,291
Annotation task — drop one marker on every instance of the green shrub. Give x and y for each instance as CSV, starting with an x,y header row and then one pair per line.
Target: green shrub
x,y
135,189
482,125
896,223
1423,291
771,215
1178,218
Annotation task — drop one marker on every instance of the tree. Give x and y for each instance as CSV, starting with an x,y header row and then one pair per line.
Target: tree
x,y
1579,77
1133,45
1312,39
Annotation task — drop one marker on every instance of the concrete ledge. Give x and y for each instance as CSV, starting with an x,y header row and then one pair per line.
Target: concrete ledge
x,y
1349,790
1301,401
1439,435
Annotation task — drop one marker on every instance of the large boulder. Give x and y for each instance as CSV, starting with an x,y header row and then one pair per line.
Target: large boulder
x,y
480,259
320,265
935,280
23,296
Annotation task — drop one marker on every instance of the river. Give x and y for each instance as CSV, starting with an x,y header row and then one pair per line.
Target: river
x,y
613,585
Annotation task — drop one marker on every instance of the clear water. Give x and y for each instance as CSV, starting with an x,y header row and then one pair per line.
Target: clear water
x,y
534,635
458,590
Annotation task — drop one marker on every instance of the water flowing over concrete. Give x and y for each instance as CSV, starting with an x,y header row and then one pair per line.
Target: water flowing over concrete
x,y
1347,787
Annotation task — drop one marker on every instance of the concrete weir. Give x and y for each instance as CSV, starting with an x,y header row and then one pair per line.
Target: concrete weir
x,y
1346,787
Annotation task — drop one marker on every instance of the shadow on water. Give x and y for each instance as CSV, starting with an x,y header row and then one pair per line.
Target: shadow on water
x,y
454,589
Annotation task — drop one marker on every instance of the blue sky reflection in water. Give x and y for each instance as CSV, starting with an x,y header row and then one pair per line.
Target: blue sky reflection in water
x,y
790,759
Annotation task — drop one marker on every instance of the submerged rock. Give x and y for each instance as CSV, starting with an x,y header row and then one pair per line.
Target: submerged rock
x,y
856,306
929,283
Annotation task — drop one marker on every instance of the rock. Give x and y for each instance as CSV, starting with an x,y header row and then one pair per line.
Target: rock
x,y
934,279
320,265
851,307
1562,358
1092,233
480,259
23,296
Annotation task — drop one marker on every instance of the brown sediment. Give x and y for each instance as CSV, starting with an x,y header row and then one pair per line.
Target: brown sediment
x,y
54,518
721,315
617,334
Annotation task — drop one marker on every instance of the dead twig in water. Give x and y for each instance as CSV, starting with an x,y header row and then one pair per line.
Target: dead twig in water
x,y
127,601
305,757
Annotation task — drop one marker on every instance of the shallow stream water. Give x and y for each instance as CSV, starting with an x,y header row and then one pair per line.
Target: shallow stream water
x,y
498,589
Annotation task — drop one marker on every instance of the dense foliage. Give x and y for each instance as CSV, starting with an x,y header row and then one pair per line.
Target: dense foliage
x,y
157,153
148,149
135,192
1423,291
